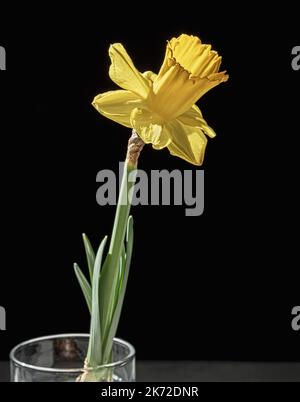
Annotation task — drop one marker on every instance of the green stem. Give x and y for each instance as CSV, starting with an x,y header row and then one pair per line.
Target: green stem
x,y
105,312
109,274
121,217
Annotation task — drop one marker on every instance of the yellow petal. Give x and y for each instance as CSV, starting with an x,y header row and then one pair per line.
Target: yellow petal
x,y
193,117
150,128
117,105
188,142
123,72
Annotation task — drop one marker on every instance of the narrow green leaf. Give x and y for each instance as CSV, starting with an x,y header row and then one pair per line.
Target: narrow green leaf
x,y
116,290
121,274
129,233
94,355
90,255
107,345
85,286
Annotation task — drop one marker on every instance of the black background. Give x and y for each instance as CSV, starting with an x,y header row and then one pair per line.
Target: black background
x,y
218,286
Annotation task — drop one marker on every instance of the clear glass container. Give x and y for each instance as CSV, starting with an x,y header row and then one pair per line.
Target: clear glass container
x,y
60,358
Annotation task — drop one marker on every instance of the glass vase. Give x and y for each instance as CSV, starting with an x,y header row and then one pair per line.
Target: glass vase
x,y
60,358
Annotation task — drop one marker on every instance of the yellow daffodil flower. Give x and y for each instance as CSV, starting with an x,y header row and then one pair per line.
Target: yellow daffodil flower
x,y
161,107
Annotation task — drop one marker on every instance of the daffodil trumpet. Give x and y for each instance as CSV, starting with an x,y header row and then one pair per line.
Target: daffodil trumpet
x,y
161,110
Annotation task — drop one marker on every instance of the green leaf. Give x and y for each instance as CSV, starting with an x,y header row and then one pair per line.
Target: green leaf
x,y
121,275
85,286
107,345
90,255
94,355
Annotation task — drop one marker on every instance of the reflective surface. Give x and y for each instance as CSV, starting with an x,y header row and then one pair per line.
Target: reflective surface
x,y
60,358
